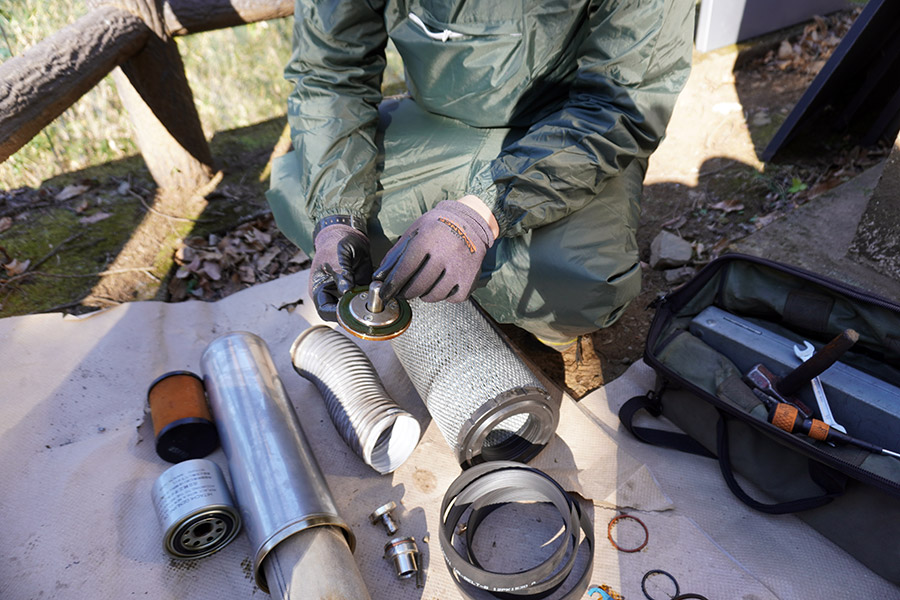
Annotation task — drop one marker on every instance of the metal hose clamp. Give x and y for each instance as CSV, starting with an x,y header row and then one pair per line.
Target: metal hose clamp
x,y
482,489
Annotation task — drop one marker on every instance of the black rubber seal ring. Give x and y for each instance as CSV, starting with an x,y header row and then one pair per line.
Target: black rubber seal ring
x,y
487,486
657,572
689,596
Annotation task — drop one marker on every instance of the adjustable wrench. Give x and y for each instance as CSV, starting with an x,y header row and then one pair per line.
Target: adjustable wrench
x,y
804,353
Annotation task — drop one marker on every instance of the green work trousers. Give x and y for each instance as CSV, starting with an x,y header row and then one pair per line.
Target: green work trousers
x,y
565,279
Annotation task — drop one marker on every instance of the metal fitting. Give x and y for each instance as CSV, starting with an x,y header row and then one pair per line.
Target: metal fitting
x,y
383,515
403,553
375,304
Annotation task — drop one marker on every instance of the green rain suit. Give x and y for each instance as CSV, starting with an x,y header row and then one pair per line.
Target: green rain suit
x,y
547,110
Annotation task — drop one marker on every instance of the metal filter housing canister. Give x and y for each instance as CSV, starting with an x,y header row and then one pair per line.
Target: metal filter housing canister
x,y
195,509
277,480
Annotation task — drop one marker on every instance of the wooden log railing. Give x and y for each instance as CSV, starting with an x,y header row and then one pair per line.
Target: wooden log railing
x,y
134,40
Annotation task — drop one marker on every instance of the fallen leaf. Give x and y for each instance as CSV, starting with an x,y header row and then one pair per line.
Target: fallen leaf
x,y
675,223
123,188
185,254
256,235
15,267
728,206
178,289
765,220
263,261
5,223
785,50
70,191
195,267
82,206
246,274
211,254
823,186
212,270
719,246
94,218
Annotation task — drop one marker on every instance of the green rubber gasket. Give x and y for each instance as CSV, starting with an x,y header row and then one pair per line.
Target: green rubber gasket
x,y
368,332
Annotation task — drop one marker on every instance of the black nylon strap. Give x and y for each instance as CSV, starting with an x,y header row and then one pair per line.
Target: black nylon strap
x,y
832,484
487,486
657,437
350,220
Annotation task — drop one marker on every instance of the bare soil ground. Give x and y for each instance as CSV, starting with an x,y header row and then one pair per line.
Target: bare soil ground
x,y
104,236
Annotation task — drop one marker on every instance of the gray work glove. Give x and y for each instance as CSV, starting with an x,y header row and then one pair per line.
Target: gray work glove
x,y
341,262
438,257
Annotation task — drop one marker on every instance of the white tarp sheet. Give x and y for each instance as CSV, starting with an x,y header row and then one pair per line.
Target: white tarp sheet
x,y
77,463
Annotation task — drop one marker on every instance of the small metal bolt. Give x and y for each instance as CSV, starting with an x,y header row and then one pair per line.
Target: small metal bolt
x,y
383,514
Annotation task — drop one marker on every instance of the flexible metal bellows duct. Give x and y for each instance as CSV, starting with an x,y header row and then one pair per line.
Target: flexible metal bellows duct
x,y
485,401
369,421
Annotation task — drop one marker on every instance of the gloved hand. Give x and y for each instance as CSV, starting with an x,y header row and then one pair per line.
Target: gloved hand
x,y
438,257
341,262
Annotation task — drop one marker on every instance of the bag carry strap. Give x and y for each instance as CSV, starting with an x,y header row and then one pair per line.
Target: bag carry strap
x,y
832,482
657,437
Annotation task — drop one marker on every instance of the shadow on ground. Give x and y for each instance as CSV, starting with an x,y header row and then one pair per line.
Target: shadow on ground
x,y
103,235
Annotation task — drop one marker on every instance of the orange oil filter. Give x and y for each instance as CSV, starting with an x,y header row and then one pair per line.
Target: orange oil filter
x,y
182,422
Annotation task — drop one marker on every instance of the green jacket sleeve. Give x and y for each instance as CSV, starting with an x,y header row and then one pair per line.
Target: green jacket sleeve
x,y
631,67
336,67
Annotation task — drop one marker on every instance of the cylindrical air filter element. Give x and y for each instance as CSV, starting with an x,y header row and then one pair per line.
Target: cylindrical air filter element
x,y
371,423
183,427
195,509
485,401
277,482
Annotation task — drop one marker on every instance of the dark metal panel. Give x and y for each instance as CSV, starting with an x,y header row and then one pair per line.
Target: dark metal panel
x,y
857,89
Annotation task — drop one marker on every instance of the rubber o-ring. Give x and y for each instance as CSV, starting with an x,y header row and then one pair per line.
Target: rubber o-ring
x,y
690,596
609,529
658,572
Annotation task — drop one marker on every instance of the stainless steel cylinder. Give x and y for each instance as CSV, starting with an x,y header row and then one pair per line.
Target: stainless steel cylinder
x,y
278,483
195,509
381,433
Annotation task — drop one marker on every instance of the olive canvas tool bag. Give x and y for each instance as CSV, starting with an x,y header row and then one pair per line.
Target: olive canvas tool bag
x,y
742,314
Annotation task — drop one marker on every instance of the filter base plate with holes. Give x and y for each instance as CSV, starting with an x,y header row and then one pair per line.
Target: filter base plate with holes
x,y
202,534
354,316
